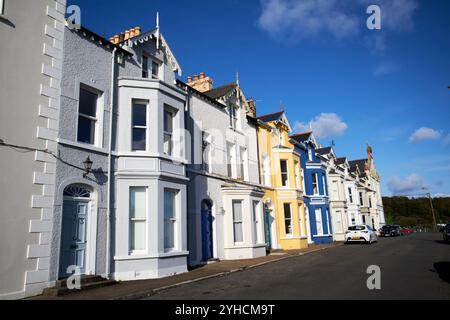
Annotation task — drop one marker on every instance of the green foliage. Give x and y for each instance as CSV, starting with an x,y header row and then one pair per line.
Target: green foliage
x,y
415,212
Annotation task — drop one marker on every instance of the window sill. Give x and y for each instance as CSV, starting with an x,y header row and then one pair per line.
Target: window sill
x,y
83,146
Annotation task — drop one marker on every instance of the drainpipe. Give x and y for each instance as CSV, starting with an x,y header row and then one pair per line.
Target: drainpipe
x,y
109,207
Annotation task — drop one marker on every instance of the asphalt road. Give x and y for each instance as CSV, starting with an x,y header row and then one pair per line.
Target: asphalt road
x,y
412,267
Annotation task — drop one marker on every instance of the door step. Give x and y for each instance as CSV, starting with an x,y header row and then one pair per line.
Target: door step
x,y
86,283
211,261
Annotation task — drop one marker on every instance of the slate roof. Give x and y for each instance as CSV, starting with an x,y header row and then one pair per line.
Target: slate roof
x,y
340,161
219,92
360,164
301,137
271,117
324,151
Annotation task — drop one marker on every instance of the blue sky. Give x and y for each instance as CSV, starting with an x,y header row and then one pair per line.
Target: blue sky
x,y
388,87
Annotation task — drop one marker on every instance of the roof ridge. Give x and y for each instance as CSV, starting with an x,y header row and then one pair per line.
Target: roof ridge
x,y
270,114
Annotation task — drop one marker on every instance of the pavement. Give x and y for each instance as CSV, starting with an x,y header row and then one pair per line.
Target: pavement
x,y
411,267
133,290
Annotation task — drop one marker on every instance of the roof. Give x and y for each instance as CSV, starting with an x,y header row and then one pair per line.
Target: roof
x,y
103,41
187,87
219,92
358,164
271,117
324,151
301,137
341,160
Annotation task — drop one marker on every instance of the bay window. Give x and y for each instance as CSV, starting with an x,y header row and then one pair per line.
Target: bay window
x,y
284,173
315,184
319,225
138,218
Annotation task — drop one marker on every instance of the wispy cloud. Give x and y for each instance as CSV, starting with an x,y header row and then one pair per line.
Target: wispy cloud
x,y
447,140
424,134
294,20
325,125
411,185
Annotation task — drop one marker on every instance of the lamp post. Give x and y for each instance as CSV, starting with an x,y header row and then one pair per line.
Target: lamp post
x,y
432,209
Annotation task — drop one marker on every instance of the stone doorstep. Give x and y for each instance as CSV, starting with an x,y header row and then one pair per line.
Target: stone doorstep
x,y
208,271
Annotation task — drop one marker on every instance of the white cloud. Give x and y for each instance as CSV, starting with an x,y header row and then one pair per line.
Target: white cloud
x,y
293,19
324,125
424,134
412,185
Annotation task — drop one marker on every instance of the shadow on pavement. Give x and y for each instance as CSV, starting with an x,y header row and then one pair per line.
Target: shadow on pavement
x,y
443,270
442,242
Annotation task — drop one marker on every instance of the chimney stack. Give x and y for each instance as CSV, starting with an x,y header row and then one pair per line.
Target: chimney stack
x,y
201,82
251,107
128,34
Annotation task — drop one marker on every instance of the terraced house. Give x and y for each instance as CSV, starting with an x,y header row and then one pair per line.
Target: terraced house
x,y
225,208
316,188
281,175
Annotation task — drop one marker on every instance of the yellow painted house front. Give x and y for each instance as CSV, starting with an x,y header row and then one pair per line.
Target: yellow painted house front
x,y
281,176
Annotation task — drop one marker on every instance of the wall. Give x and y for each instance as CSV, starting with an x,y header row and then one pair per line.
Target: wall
x,y
30,63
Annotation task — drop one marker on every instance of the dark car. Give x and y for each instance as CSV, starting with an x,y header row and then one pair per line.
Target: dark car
x,y
390,231
446,233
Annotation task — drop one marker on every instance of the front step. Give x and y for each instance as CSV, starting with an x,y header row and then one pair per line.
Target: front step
x,y
87,283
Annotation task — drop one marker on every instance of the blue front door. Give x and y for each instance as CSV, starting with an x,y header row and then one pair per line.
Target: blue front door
x,y
73,237
207,235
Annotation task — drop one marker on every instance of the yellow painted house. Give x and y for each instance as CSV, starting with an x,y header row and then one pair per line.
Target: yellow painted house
x,y
281,176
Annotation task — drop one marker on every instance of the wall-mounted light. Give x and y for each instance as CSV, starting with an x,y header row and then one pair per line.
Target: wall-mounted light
x,y
87,167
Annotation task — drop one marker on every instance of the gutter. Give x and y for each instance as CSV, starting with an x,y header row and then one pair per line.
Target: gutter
x,y
109,207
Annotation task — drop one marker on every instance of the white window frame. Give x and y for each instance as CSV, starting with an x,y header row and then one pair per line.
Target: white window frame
x,y
316,189
361,199
150,71
172,112
230,160
2,7
266,171
244,163
325,186
256,209
141,220
350,195
173,220
297,174
142,103
284,184
234,117
318,213
300,221
290,234
236,222
98,119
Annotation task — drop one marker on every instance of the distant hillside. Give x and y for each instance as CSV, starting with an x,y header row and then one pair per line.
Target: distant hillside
x,y
415,212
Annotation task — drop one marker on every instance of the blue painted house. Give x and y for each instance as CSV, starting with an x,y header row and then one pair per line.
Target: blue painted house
x,y
316,188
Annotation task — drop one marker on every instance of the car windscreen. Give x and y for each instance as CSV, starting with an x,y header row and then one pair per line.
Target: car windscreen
x,y
356,228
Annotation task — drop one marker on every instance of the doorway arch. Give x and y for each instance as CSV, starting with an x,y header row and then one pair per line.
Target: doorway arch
x,y
76,225
207,230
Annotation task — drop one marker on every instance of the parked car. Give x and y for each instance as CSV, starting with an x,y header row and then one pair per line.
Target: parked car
x,y
446,233
361,233
390,231
407,231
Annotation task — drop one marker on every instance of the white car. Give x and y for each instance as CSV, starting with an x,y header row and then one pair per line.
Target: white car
x,y
361,233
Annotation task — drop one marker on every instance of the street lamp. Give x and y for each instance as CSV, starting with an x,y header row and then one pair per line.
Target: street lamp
x,y
87,167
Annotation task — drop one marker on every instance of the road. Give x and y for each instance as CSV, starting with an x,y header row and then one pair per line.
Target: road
x,y
412,267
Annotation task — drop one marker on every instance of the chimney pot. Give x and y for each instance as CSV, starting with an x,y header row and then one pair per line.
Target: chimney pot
x,y
196,77
189,79
137,31
132,33
122,37
202,75
127,35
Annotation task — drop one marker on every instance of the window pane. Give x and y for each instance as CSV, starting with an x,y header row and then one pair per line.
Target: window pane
x,y
168,144
86,130
139,139
155,69
144,67
169,219
88,103
237,210
169,204
169,234
238,234
139,115
138,203
168,121
283,165
137,235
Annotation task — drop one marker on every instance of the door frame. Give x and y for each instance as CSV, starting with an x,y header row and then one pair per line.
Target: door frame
x,y
91,231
